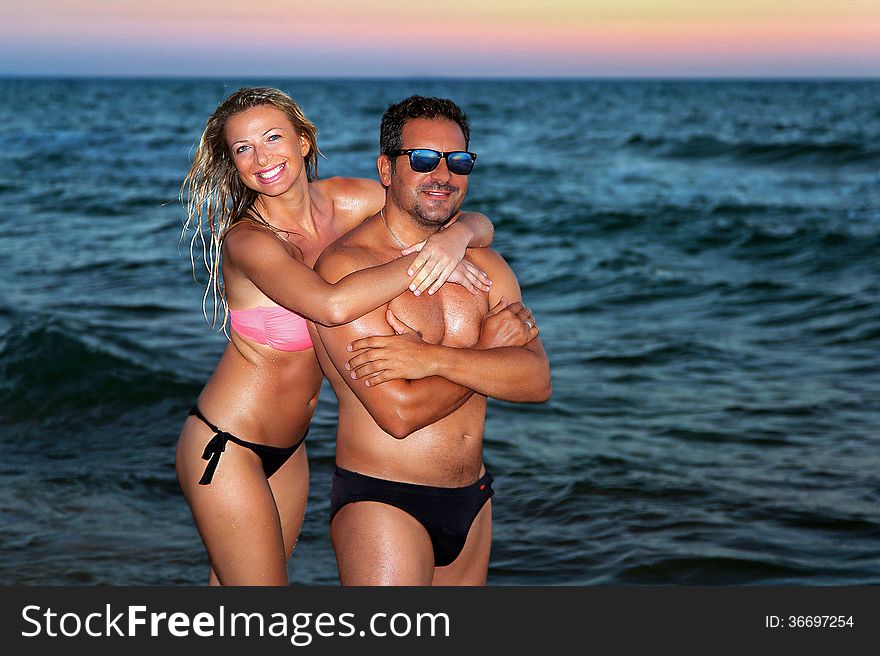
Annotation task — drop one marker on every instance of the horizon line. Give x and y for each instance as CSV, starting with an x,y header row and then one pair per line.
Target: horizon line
x,y
402,77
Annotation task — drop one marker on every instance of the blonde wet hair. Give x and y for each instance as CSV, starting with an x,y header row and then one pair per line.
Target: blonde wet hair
x,y
214,197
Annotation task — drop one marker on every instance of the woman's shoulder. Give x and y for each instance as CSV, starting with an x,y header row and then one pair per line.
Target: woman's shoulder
x,y
351,190
354,199
245,230
246,236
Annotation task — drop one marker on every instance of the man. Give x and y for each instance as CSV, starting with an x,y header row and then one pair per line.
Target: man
x,y
410,502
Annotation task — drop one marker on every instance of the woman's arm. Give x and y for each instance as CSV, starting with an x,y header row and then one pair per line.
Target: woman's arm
x,y
263,259
268,264
441,252
481,228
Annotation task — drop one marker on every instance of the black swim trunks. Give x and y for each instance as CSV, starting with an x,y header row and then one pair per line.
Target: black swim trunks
x,y
272,457
446,512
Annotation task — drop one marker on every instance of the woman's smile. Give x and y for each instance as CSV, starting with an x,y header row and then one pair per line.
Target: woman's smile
x,y
268,176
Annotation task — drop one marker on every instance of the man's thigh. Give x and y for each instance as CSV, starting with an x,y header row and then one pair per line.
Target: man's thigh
x,y
379,544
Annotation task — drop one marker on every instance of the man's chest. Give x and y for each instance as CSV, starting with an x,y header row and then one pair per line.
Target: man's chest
x,y
451,317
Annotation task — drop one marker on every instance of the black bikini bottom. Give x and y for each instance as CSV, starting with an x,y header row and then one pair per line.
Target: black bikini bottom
x,y
272,457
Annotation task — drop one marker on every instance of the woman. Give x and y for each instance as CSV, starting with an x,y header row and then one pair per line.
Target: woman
x,y
252,196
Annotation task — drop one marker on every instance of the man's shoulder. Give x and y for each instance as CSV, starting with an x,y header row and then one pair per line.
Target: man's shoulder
x,y
486,257
504,282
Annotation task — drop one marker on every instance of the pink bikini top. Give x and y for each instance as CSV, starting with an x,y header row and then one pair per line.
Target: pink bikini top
x,y
277,327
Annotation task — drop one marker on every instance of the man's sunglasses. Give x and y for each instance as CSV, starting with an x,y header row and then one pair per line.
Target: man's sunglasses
x,y
425,160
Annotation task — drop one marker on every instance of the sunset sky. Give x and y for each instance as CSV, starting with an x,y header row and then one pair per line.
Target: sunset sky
x,y
372,38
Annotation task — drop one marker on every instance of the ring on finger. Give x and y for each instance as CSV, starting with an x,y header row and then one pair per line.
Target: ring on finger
x,y
529,323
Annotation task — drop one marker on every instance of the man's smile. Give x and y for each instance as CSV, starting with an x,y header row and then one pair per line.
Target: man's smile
x,y
439,193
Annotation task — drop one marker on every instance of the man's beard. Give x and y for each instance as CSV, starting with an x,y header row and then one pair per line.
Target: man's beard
x,y
421,214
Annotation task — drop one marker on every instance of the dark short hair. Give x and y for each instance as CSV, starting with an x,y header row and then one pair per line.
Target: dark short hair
x,y
396,116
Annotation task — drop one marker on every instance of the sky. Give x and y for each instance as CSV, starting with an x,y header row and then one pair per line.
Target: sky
x,y
453,38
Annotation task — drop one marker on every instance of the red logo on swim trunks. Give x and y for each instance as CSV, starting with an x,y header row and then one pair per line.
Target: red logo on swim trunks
x,y
483,486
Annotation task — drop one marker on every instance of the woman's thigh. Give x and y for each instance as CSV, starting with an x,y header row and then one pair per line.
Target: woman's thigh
x,y
290,487
235,514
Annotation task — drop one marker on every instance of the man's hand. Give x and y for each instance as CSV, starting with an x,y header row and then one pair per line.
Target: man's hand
x,y
381,358
507,324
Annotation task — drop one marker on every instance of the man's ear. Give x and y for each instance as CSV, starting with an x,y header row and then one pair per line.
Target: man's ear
x,y
384,166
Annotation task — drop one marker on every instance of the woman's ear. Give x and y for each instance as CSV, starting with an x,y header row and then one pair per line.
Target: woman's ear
x,y
304,145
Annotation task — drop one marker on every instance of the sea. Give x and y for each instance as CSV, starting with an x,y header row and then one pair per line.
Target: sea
x,y
702,258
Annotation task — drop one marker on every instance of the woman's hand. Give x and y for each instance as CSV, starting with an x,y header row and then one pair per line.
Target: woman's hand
x,y
439,257
381,358
507,324
470,277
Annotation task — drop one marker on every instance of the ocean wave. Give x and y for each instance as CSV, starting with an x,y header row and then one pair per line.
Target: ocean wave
x,y
825,316
119,262
700,570
852,335
708,435
99,205
832,153
656,355
818,245
53,373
